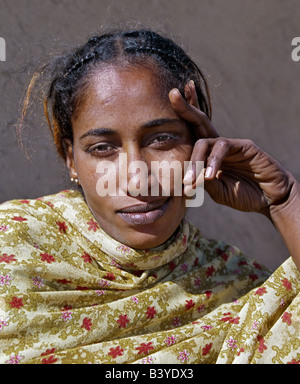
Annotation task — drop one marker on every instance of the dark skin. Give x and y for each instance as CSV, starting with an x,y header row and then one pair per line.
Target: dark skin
x,y
238,173
242,176
122,114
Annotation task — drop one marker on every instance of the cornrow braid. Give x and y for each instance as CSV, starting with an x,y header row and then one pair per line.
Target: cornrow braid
x,y
84,60
184,69
70,72
161,52
173,58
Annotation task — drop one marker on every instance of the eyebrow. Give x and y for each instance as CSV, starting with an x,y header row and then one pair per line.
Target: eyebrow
x,y
98,132
159,122
148,124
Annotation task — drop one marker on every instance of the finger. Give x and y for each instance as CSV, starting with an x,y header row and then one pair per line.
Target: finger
x,y
202,125
194,178
211,152
191,94
200,152
219,151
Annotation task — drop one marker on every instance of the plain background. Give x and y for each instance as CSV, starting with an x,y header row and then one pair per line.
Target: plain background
x,y
243,47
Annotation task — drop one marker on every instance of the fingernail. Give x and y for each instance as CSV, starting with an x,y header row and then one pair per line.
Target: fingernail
x,y
188,176
187,189
208,172
175,90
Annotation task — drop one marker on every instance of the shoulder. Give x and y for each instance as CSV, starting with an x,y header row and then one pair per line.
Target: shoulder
x,y
28,206
20,217
228,256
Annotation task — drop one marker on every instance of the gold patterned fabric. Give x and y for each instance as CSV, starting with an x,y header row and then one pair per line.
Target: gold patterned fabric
x,y
69,293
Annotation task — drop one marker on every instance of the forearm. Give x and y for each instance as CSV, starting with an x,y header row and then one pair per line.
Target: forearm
x,y
286,218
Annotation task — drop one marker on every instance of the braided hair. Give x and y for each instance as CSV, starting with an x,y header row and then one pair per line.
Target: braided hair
x,y
136,47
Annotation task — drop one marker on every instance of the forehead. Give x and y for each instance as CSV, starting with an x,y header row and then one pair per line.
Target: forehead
x,y
118,81
122,92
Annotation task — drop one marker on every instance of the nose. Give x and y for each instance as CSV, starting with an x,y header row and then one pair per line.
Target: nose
x,y
134,174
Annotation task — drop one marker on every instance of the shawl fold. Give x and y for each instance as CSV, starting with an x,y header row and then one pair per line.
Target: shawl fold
x,y
69,293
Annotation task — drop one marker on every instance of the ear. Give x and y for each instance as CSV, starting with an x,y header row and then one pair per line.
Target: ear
x,y
70,159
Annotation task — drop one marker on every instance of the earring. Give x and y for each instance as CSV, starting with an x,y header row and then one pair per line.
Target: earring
x,y
74,180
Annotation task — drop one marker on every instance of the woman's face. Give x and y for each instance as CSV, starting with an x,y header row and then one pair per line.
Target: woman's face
x,y
123,116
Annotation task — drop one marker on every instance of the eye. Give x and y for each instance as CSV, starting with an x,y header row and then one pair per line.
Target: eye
x,y
102,150
165,138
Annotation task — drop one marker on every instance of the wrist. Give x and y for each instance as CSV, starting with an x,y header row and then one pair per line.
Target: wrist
x,y
286,218
289,203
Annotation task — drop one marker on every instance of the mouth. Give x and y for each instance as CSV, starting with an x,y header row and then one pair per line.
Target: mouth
x,y
143,214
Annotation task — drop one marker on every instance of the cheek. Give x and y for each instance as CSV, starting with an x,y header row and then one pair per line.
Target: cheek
x,y
168,171
86,168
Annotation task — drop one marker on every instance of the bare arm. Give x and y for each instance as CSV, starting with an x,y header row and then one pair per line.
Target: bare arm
x,y
286,218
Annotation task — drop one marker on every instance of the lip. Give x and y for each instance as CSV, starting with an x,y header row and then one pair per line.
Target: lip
x,y
143,214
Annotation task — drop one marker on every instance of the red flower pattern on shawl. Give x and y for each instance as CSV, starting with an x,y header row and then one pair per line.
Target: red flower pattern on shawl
x,y
123,320
210,270
261,291
286,283
262,347
93,226
49,360
7,259
48,258
151,312
144,348
189,304
287,318
19,218
16,303
140,307
87,324
86,257
206,349
62,226
115,352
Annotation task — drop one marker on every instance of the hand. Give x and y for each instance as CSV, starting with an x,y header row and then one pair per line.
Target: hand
x,y
238,173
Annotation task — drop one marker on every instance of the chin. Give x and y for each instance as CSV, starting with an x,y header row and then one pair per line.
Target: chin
x,y
146,242
147,237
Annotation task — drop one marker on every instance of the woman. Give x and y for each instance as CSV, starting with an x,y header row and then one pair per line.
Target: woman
x,y
123,277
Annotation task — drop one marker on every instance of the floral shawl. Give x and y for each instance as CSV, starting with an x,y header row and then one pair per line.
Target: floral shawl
x,y
69,293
